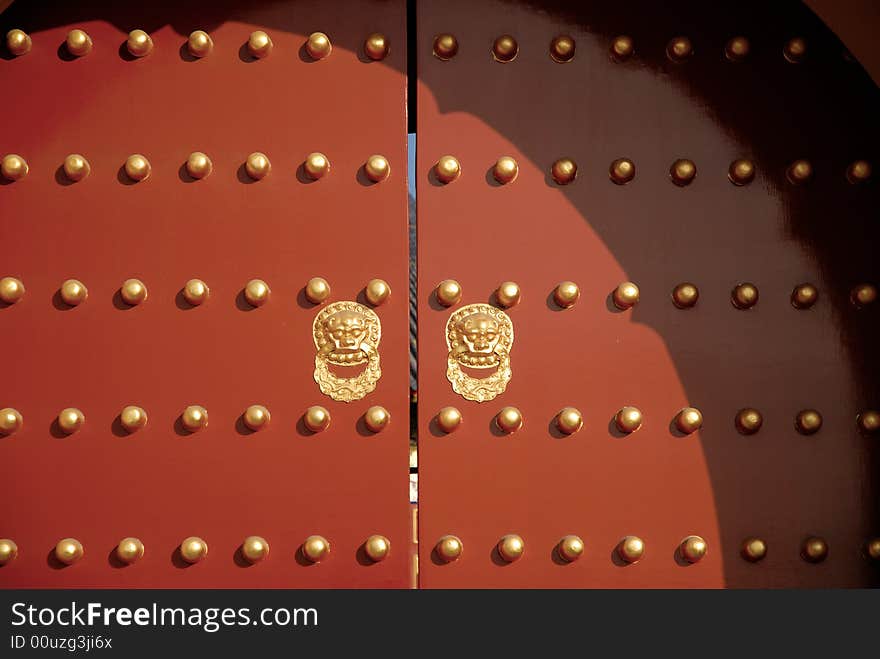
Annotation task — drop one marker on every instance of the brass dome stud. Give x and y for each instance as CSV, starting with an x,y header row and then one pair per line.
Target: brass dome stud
x,y
8,551
256,417
377,418
316,165
137,167
316,418
509,420
795,50
682,172
11,421
318,46
566,294
199,165
748,421
505,170
808,422
737,49
196,292
628,419
858,172
511,547
133,292
799,172
741,172
814,549
570,548
508,294
685,295
863,295
377,168
255,549
73,292
139,43
193,550
449,548
259,44
130,550
868,422
70,419
564,171
447,169
753,549
256,292
200,43
13,167
625,296
622,48
257,166
377,547
448,292
69,551
76,167
693,548
569,420
317,290
689,420
679,49
448,419
11,290
744,296
445,47
18,42
631,549
622,171
316,548
505,49
376,46
562,49
804,296
133,418
377,291
872,548
194,418
78,43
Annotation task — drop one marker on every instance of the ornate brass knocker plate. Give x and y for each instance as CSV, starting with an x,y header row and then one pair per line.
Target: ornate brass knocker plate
x,y
479,336
347,335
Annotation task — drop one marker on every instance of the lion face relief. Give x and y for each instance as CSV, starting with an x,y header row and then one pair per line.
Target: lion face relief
x,y
479,336
347,334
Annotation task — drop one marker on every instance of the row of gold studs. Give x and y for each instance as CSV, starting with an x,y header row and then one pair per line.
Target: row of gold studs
x,y
195,418
200,44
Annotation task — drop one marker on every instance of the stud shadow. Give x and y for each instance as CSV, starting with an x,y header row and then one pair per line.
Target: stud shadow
x,y
303,302
242,304
609,304
362,558
680,560
496,431
302,430
490,178
4,305
614,431
181,303
123,178
551,303
674,430
496,558
6,55
113,560
121,304
53,562
617,560
124,54
554,430
245,55
303,177
435,429
56,431
180,429
303,54
436,559
239,560
362,179
177,560
242,175
361,427
557,559
64,54
434,181
117,429
184,53
5,181
59,303
241,427
301,559
434,303
184,176
61,177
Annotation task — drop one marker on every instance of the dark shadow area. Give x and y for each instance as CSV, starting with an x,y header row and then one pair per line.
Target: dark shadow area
x,y
117,429
362,558
123,178
239,560
180,429
181,303
61,177
242,304
53,562
178,561
113,560
184,176
56,431
241,427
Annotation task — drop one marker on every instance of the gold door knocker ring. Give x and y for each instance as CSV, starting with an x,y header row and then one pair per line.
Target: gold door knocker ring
x,y
347,335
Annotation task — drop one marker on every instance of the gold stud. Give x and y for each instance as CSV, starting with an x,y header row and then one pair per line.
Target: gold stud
x,y
683,172
376,418
808,422
257,165
570,548
741,172
449,548
377,291
564,171
78,43
11,290
195,292
254,549
445,46
872,547
736,49
133,291
18,42
693,548
562,49
511,547
316,548
448,292
133,418
316,418
70,420
194,418
795,50
626,295
69,551
376,46
631,549
193,549
377,547
505,48
858,172
509,420
868,422
748,421
13,167
256,417
689,420
139,43
377,168
804,296
319,46
137,167
10,421
8,551
259,44
622,171
569,420
76,167
256,292
505,170
508,294
622,48
199,165
799,172
628,419
448,418
685,295
863,295
317,290
744,296
566,294
73,292
679,49
814,549
130,550
447,169
753,549
200,43
316,165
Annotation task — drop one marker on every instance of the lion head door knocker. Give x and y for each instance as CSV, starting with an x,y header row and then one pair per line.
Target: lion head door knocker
x,y
479,336
347,337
